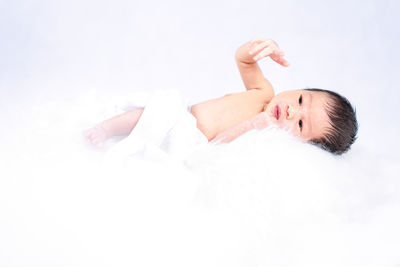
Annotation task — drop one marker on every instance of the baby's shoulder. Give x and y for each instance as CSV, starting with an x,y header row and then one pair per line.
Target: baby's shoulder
x,y
252,95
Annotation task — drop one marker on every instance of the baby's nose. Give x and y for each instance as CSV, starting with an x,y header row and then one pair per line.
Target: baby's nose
x,y
290,112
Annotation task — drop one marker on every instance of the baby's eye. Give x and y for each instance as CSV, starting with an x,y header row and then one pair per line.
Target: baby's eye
x,y
301,124
301,99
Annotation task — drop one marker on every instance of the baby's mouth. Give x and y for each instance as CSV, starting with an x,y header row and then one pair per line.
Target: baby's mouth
x,y
277,112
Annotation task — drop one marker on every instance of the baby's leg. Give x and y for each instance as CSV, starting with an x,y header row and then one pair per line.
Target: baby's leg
x,y
119,125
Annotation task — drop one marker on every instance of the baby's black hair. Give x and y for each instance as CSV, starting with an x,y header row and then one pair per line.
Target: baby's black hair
x,y
342,119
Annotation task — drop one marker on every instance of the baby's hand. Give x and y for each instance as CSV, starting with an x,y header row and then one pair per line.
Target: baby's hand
x,y
260,48
96,135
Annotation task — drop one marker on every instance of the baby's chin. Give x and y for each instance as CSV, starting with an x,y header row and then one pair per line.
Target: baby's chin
x,y
269,112
268,119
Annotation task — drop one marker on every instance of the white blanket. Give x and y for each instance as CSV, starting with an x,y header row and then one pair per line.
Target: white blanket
x,y
263,200
165,129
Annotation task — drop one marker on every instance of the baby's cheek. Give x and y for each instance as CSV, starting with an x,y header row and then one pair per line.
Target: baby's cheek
x,y
294,130
291,128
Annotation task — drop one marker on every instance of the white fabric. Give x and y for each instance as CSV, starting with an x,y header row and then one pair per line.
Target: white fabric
x,y
264,199
166,127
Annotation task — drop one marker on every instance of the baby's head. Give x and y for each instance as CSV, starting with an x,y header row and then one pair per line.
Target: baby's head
x,y
319,116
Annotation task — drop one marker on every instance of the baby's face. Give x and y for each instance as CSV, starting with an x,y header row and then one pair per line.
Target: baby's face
x,y
301,112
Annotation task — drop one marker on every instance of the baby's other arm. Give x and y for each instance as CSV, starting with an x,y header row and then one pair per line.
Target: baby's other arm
x,y
247,56
119,125
258,122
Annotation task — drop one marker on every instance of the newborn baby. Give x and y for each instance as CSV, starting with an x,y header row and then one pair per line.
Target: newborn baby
x,y
317,116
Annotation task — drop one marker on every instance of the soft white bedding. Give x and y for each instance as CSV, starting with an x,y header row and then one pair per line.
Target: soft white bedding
x,y
264,200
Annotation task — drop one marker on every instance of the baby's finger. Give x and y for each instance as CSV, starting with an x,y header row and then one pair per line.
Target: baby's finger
x,y
86,133
264,53
282,61
252,45
257,41
89,135
215,141
278,57
285,63
257,48
279,53
97,142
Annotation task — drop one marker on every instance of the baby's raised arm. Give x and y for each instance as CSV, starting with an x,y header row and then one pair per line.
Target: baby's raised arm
x,y
247,56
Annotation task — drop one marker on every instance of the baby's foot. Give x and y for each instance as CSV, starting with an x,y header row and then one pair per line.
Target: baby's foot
x,y
96,135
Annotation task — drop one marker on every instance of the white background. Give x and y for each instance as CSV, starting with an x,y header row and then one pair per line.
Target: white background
x,y
53,54
51,50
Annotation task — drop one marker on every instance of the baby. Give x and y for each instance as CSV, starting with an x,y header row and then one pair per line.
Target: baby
x,y
318,116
